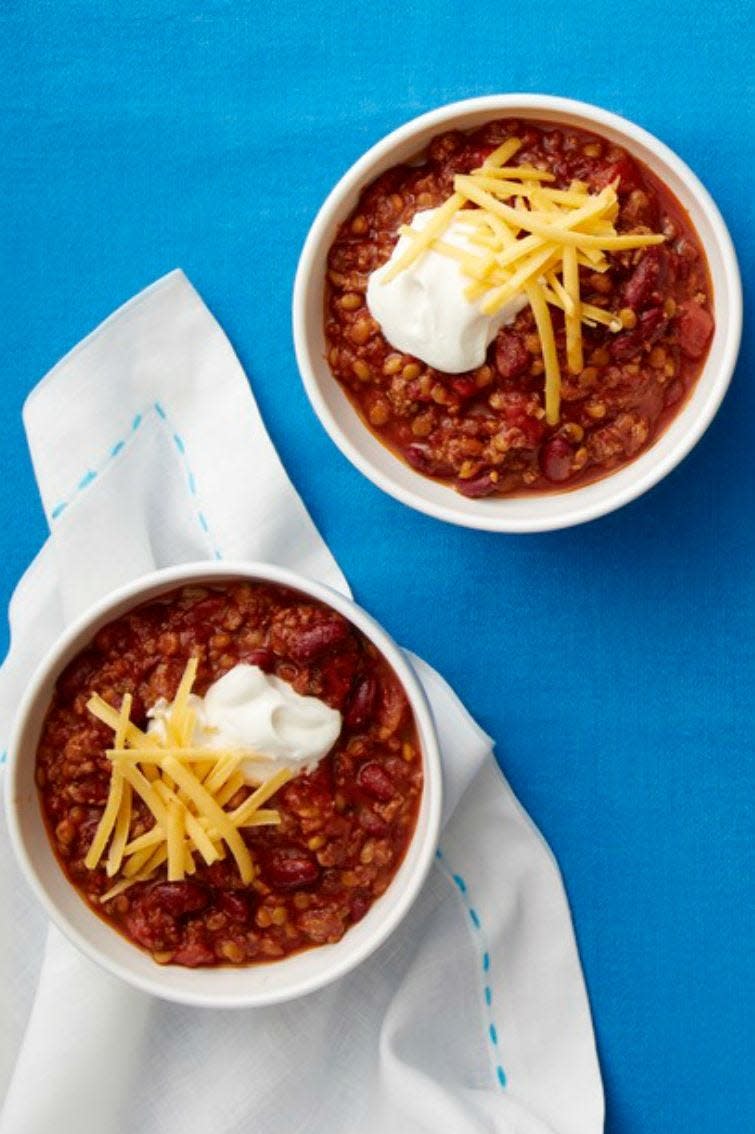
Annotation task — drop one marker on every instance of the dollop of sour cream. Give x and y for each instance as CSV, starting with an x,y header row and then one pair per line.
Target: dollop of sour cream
x,y
247,708
424,312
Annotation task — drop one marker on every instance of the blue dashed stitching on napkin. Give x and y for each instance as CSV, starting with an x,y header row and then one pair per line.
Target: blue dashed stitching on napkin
x,y
179,445
191,482
479,933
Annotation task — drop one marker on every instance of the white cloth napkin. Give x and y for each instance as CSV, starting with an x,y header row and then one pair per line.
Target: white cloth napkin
x,y
149,450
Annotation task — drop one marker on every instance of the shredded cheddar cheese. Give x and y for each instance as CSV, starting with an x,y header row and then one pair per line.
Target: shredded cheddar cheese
x,y
185,789
529,237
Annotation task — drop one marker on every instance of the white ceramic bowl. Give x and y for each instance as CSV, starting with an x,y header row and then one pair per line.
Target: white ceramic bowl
x,y
531,513
223,987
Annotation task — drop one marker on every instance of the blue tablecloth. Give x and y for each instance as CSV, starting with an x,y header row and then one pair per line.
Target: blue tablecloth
x,y
614,662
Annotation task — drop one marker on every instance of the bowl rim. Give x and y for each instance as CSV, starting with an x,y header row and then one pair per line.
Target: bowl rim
x,y
141,589
574,512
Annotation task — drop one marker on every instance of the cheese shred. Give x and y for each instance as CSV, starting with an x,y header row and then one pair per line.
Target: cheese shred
x,y
184,789
532,239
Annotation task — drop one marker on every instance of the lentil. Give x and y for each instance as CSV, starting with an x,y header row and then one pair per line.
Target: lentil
x,y
660,296
323,850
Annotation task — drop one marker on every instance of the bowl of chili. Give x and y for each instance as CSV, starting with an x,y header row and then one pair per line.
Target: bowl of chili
x,y
335,855
640,369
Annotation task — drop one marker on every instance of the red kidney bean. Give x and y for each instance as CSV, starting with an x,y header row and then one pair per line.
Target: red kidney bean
x,y
465,386
511,355
209,918
178,898
556,459
290,869
376,782
643,280
391,707
263,657
650,326
362,702
194,953
647,277
476,486
237,905
626,345
371,822
315,640
695,327
421,459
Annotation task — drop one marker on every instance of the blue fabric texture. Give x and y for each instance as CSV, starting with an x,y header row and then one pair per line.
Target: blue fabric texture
x,y
614,662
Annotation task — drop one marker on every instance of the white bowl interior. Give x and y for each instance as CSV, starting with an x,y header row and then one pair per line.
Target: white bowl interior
x,y
223,986
531,513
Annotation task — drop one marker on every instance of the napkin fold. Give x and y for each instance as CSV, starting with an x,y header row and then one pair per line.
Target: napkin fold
x,y
149,450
